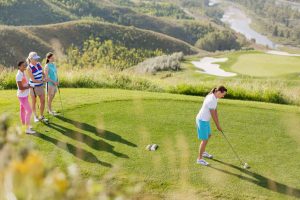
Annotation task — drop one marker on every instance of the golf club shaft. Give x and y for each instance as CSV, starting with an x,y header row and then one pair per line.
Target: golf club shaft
x,y
62,108
237,156
47,100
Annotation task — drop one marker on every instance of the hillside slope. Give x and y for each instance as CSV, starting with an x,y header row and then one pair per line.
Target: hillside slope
x,y
58,37
41,12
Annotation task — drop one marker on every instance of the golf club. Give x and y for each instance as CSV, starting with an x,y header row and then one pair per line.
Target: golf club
x,y
46,99
62,109
244,165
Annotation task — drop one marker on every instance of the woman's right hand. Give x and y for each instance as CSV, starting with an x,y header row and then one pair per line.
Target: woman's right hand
x,y
219,128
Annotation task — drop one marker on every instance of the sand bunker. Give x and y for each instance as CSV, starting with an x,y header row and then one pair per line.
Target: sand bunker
x,y
207,64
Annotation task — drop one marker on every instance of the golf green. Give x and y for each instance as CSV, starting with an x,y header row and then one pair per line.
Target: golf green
x,y
266,65
102,129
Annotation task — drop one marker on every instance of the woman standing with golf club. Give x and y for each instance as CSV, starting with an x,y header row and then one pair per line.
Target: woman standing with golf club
x,y
52,84
208,110
23,92
36,74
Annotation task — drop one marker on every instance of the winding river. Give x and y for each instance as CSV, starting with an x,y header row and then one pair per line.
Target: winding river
x,y
240,22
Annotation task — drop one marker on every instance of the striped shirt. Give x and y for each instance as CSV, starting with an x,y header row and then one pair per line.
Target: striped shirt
x,y
37,72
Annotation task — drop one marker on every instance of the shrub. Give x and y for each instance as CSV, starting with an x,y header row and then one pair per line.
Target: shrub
x,y
274,91
218,40
107,54
236,92
160,63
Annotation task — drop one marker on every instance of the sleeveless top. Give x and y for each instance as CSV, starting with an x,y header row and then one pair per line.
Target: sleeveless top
x,y
52,73
37,72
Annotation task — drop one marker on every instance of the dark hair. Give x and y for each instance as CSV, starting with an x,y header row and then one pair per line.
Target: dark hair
x,y
21,63
48,56
221,88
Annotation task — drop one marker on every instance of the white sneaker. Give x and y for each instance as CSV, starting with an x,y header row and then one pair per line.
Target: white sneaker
x,y
53,113
43,119
207,155
30,131
36,119
202,162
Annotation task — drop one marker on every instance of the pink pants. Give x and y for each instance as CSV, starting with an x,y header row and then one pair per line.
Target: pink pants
x,y
25,110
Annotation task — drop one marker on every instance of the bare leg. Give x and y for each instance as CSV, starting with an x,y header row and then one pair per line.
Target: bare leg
x,y
42,101
51,95
202,147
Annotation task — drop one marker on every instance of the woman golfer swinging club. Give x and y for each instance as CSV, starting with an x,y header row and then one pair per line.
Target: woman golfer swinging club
x,y
208,110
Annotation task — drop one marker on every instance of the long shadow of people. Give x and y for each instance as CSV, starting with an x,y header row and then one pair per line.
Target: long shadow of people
x,y
99,132
261,180
99,145
76,151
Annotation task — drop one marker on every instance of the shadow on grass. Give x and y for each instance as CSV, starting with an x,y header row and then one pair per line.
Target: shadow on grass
x,y
98,145
260,180
99,132
76,151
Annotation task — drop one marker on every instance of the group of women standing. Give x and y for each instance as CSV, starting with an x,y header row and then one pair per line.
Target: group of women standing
x,y
39,78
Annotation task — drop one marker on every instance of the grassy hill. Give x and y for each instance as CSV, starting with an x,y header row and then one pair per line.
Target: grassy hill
x,y
53,11
104,129
55,25
31,12
59,37
16,44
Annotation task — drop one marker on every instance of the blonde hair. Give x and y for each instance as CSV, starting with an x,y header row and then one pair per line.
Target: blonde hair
x,y
30,56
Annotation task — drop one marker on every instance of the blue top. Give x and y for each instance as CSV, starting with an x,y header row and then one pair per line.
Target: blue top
x,y
52,73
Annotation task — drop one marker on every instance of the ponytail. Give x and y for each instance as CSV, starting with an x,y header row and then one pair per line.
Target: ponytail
x,y
28,61
48,56
221,89
213,91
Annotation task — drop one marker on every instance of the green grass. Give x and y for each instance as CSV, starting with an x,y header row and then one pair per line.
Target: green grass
x,y
252,64
265,65
104,128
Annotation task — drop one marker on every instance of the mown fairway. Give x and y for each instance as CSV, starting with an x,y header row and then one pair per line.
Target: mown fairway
x,y
103,129
266,65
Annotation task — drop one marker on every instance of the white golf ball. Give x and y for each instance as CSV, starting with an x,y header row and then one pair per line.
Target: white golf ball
x,y
154,147
246,166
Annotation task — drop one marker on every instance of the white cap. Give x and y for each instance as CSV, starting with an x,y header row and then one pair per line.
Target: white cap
x,y
34,56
